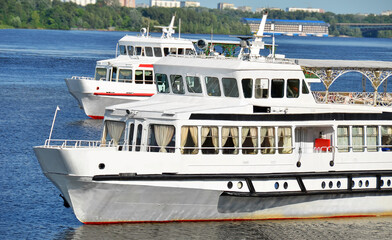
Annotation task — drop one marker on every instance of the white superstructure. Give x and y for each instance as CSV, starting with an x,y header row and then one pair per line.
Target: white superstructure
x,y
228,139
130,76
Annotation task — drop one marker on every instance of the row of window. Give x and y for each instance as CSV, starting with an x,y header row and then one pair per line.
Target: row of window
x,y
359,138
125,75
259,87
154,51
247,139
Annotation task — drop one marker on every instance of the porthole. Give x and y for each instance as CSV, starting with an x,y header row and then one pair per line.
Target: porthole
x,y
240,185
353,183
101,166
367,183
276,185
338,184
229,185
389,182
285,185
381,183
330,184
360,183
323,185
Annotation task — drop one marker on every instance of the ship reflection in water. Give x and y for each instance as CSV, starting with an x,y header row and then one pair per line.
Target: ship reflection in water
x,y
336,228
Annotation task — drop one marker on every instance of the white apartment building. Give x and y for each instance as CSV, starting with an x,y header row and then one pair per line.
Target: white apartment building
x,y
165,3
319,10
190,4
222,6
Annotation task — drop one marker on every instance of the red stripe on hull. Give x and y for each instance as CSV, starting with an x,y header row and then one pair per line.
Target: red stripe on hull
x,y
224,220
95,117
126,94
146,65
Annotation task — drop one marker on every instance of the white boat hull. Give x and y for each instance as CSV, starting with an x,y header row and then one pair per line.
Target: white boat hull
x,y
94,96
113,202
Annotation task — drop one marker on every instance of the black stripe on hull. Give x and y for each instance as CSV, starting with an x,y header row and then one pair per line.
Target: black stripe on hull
x,y
293,117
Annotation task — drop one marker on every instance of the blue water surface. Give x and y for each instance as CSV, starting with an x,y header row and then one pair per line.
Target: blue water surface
x,y
33,65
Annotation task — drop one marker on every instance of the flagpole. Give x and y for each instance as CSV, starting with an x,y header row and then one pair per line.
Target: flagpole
x,y
54,119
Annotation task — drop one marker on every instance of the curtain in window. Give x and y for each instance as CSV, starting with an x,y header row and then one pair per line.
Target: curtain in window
x,y
244,134
284,134
267,139
213,133
358,141
234,135
185,131
105,133
372,138
115,130
163,136
343,139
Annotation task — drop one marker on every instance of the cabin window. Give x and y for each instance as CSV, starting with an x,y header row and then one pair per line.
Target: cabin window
x,y
285,140
157,52
180,51
230,87
114,74
177,85
386,138
229,140
343,138
213,88
130,137
100,74
139,76
267,140
305,89
193,84
162,138
292,88
139,137
162,83
130,51
189,137
149,52
173,51
358,139
209,140
113,133
249,140
148,77
166,51
372,138
123,50
247,86
139,51
189,51
125,75
261,88
277,88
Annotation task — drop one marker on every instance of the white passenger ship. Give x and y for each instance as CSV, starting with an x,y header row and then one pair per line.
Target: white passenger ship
x,y
130,76
228,139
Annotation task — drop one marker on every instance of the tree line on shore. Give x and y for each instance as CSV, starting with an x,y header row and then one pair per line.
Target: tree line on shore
x,y
106,14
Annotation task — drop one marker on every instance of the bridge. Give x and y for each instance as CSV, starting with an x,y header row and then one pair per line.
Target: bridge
x,y
367,27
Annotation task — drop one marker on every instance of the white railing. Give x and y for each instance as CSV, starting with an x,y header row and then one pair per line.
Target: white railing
x,y
364,98
62,143
82,78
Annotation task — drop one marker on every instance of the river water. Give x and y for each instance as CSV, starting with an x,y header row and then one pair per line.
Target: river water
x,y
33,65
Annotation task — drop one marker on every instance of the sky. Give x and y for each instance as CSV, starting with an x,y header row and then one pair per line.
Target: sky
x,y
335,6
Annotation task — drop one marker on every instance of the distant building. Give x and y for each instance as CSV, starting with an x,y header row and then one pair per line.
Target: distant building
x,y
190,4
318,10
142,5
289,27
245,9
386,13
165,3
260,10
222,6
81,2
127,3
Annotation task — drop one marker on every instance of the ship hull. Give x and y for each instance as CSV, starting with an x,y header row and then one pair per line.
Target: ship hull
x,y
100,202
94,96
